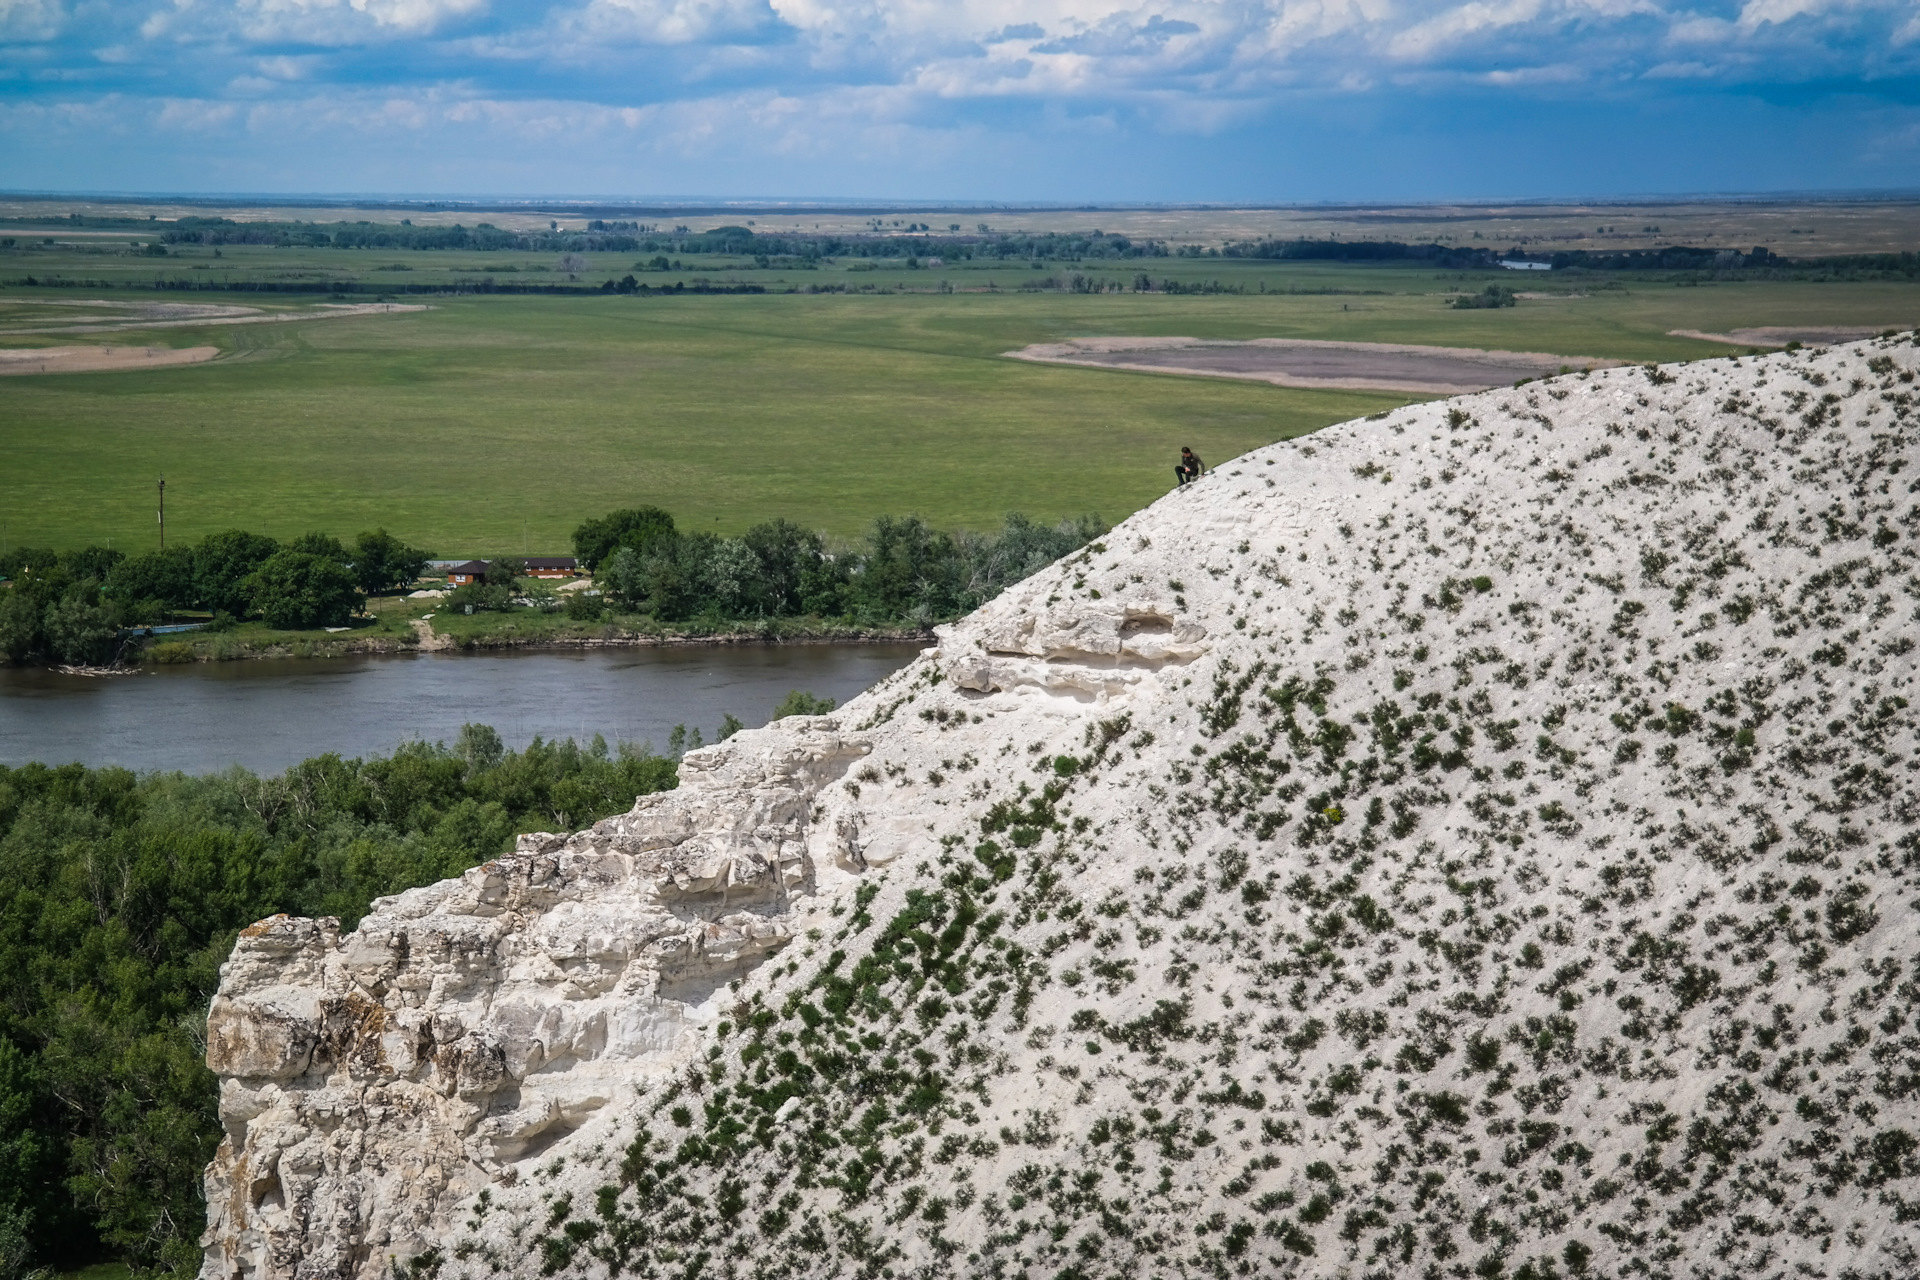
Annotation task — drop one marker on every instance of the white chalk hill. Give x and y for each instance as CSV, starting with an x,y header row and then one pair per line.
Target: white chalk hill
x,y
1475,841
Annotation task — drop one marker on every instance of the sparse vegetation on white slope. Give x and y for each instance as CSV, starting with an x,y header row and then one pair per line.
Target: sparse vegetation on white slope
x,y
1478,841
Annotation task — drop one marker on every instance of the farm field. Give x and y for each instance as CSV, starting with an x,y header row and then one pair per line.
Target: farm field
x,y
494,424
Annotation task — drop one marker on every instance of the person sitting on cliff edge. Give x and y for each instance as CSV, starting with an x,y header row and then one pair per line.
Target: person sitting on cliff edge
x,y
1189,468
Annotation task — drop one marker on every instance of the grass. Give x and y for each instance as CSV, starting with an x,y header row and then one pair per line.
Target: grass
x,y
495,424
100,1271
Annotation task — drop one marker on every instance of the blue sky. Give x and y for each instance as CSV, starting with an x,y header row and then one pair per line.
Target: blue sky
x,y
1043,100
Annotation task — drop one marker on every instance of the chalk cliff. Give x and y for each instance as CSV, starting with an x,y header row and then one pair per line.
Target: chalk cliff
x,y
1479,840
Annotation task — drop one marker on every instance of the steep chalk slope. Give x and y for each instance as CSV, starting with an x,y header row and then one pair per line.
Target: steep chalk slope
x,y
1476,841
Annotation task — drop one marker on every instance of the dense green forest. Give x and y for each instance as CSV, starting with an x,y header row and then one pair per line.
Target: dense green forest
x,y
120,896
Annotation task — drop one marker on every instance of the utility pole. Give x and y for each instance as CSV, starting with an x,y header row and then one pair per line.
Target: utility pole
x,y
163,513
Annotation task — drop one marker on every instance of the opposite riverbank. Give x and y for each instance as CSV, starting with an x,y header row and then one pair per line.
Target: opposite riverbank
x,y
396,625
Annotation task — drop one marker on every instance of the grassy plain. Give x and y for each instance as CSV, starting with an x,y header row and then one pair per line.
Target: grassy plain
x,y
493,424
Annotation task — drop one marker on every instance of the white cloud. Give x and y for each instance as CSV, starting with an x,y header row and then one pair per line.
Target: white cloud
x,y
322,22
1758,13
30,19
1560,73
880,70
194,116
670,21
1451,26
1698,29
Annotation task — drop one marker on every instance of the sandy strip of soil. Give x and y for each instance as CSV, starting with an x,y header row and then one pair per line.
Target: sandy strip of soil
x,y
1812,335
156,310
1314,364
326,311
98,359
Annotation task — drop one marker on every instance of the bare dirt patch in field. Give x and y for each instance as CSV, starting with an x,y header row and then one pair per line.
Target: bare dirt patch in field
x,y
1309,363
116,317
1811,335
99,359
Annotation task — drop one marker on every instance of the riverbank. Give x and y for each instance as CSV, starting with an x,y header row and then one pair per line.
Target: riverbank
x,y
399,625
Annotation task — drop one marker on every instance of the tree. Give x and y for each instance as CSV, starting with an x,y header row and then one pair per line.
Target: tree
x,y
324,545
381,562
734,586
480,746
823,587
222,563
92,562
798,702
160,577
1490,298
25,1174
1022,549
80,627
641,528
294,590
19,625
623,578
790,557
676,577
483,597
504,572
22,560
909,572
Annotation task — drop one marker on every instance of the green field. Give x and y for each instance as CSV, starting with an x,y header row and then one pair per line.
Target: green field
x,y
494,424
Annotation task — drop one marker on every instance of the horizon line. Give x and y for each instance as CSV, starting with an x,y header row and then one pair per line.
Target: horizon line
x,y
694,205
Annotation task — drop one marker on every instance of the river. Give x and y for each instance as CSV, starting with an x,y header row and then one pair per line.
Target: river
x,y
268,714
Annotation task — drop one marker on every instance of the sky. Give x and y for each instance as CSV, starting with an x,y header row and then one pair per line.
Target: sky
x,y
1221,101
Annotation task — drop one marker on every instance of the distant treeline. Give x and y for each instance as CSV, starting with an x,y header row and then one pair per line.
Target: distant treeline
x,y
739,241
1448,256
1668,258
120,897
1463,257
181,284
71,606
903,574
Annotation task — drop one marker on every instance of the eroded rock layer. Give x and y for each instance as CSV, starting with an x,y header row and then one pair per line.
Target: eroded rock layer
x,y
1475,841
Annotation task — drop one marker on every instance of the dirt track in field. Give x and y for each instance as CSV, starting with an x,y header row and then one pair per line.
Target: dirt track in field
x,y
1312,364
99,359
118,317
1813,335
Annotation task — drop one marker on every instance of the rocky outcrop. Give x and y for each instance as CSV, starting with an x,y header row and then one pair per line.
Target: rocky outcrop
x,y
1479,840
372,1084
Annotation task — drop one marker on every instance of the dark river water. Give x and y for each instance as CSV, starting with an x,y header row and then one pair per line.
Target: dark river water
x,y
266,715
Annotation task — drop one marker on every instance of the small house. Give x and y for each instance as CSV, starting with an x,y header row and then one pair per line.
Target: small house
x,y
459,575
551,566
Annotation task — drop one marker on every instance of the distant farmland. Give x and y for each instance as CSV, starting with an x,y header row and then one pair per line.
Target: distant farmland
x,y
495,423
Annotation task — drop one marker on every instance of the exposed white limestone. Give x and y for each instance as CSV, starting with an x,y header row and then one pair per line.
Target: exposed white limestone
x,y
1480,839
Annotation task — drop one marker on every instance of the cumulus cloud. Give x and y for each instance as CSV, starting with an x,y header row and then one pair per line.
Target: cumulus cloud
x,y
671,21
344,23
783,67
29,19
1099,47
